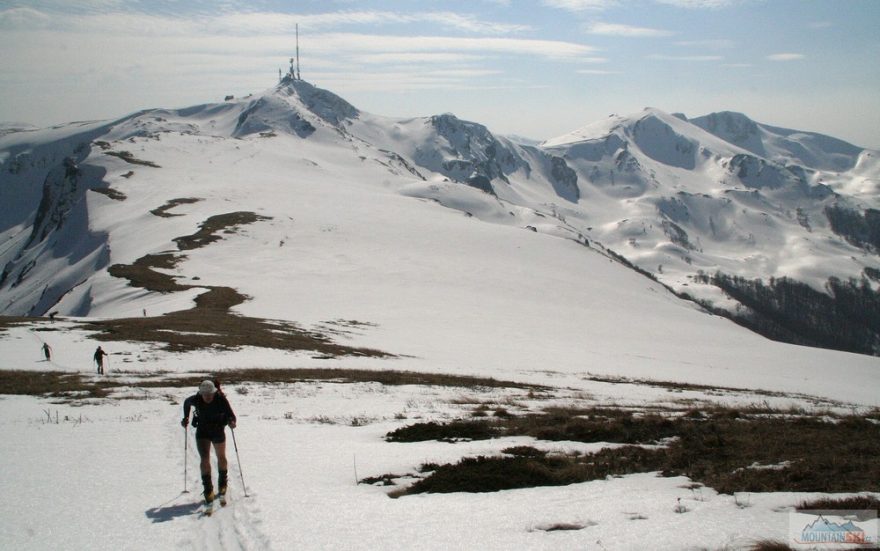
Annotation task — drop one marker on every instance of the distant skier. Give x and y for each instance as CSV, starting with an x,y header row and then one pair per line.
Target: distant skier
x,y
47,352
99,360
212,414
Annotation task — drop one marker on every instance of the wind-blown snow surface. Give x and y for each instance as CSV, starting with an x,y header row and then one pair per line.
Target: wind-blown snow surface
x,y
367,222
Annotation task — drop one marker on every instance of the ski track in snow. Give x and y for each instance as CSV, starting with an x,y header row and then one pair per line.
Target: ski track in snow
x,y
230,528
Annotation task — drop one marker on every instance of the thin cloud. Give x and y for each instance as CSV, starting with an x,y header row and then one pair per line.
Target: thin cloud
x,y
283,22
580,5
716,44
348,42
698,58
397,82
421,57
238,23
615,29
597,72
786,57
700,4
16,18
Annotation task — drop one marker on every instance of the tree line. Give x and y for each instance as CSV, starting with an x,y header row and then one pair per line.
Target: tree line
x,y
861,230
845,317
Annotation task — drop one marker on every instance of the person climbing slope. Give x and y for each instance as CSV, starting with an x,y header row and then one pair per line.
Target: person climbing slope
x,y
212,414
99,359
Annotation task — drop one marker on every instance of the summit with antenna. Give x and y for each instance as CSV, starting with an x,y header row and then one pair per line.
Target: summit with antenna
x,y
293,72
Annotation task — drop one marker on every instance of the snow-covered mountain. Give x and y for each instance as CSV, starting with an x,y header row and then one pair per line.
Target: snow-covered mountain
x,y
675,197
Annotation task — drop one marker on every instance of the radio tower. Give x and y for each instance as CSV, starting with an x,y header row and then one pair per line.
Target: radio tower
x,y
293,72
297,52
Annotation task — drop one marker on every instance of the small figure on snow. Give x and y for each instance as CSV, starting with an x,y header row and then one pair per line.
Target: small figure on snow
x,y
99,360
47,351
212,414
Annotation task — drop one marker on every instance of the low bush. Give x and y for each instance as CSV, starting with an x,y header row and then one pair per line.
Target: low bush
x,y
855,503
730,450
770,545
490,474
456,430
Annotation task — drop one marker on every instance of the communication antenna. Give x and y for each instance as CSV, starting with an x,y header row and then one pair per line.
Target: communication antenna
x,y
297,52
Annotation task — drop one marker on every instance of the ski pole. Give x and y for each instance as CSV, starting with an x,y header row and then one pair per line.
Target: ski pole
x,y
238,459
185,458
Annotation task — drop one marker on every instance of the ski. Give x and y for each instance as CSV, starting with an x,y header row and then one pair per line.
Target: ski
x,y
209,505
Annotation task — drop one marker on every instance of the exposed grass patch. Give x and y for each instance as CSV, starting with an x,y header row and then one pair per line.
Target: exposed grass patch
x,y
111,193
561,526
856,503
770,545
729,450
75,386
163,210
129,157
491,474
142,272
52,384
679,386
524,451
14,321
593,425
445,432
209,229
555,424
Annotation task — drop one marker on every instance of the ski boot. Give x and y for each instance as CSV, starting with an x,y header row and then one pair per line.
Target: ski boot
x,y
209,489
221,487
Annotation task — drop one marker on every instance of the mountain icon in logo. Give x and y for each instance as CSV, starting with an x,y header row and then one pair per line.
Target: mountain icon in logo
x,y
823,530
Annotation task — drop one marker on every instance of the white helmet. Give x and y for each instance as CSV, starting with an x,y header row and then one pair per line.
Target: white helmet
x,y
207,387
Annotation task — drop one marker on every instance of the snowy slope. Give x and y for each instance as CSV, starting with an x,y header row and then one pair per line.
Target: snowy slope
x,y
346,240
673,196
720,193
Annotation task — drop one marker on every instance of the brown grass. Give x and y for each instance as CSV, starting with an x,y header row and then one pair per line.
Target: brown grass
x,y
770,545
855,503
209,229
729,450
114,194
129,157
79,386
52,384
163,210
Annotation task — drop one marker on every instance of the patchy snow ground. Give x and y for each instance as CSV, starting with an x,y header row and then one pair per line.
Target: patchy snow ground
x,y
458,289
109,474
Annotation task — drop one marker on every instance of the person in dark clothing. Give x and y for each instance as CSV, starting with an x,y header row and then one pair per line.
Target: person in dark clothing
x,y
212,414
47,351
99,360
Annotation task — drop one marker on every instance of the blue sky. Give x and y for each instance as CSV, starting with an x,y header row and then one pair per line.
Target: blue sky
x,y
536,68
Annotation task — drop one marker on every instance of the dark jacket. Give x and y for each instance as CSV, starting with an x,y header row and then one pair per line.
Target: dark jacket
x,y
216,415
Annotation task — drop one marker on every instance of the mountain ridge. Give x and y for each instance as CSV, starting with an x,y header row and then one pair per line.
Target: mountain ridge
x,y
672,196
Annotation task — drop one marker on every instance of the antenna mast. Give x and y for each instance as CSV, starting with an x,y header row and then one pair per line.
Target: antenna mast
x,y
297,52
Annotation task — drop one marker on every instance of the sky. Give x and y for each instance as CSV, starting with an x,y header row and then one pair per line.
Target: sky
x,y
533,68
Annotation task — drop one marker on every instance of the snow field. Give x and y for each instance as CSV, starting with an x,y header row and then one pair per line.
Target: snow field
x,y
110,476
